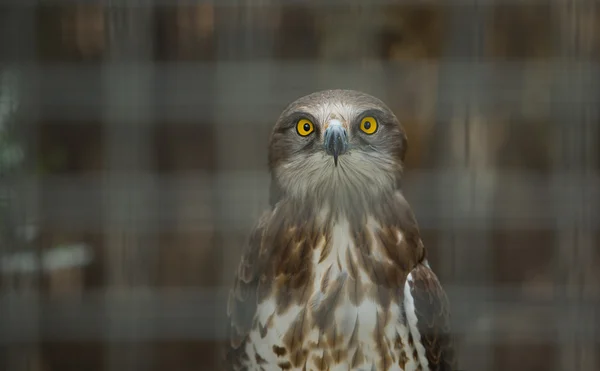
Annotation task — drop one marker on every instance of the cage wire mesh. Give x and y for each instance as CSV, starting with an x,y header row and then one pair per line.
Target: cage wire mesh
x,y
133,139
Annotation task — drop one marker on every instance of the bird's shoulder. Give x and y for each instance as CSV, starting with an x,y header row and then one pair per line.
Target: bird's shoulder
x,y
242,299
267,263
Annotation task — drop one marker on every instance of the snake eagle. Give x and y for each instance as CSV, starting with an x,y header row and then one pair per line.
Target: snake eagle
x,y
334,275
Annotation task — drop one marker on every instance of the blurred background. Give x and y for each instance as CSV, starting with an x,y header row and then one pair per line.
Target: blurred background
x,y
133,144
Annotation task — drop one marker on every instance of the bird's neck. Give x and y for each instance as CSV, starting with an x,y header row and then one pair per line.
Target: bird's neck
x,y
379,245
363,217
349,195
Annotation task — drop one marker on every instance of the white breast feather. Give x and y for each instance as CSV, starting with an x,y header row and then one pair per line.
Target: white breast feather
x,y
345,314
411,316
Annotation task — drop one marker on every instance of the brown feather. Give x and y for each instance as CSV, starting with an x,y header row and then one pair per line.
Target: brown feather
x,y
378,334
431,307
293,338
323,311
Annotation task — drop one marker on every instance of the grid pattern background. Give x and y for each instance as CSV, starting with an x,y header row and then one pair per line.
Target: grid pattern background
x,y
133,138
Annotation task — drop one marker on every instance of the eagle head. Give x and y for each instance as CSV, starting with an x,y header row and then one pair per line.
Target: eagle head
x,y
336,145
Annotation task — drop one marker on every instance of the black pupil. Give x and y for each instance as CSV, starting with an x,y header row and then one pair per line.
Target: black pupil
x,y
368,125
306,127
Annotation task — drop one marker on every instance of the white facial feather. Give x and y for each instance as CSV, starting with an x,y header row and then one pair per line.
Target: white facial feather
x,y
357,172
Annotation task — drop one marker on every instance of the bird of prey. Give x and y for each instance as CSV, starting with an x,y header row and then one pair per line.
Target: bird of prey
x,y
334,275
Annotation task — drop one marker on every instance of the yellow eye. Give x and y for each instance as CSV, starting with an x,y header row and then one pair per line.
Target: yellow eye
x,y
368,125
304,127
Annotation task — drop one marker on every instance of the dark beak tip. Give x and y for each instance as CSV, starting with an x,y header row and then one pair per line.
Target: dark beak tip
x,y
336,142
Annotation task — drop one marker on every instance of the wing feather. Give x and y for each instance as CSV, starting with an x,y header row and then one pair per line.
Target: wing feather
x,y
432,312
242,300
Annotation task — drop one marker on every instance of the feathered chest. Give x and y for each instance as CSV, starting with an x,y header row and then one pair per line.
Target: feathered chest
x,y
335,298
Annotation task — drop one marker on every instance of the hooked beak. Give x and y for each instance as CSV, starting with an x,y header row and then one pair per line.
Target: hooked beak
x,y
335,140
